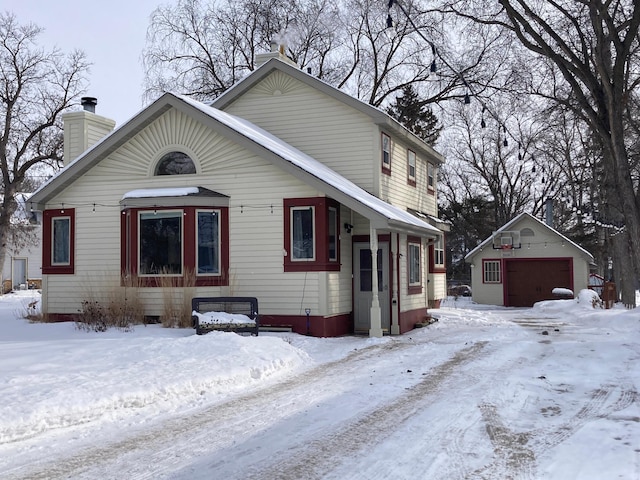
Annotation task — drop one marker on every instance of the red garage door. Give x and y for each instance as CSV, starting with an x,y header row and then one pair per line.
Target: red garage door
x,y
532,280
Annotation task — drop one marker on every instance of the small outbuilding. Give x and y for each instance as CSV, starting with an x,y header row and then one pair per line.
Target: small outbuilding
x,y
523,262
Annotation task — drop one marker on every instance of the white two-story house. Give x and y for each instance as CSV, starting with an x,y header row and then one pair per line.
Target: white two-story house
x,y
279,190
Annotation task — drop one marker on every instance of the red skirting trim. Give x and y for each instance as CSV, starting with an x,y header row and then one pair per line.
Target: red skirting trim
x,y
317,326
409,319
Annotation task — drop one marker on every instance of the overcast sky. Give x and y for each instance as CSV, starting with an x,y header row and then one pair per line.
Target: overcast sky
x,y
111,33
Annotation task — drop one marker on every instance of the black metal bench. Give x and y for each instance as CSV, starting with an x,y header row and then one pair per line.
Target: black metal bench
x,y
247,306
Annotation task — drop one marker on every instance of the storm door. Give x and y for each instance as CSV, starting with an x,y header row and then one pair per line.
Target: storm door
x,y
362,282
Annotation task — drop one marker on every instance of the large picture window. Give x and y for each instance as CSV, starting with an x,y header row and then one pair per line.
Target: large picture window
x,y
311,234
58,246
160,244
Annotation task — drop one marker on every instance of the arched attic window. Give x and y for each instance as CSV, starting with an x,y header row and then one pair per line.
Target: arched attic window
x,y
527,232
175,163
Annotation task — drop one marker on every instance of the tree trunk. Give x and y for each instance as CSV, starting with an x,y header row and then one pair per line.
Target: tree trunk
x,y
4,239
625,283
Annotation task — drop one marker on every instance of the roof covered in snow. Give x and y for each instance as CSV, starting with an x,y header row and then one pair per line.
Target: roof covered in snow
x,y
378,116
509,226
381,214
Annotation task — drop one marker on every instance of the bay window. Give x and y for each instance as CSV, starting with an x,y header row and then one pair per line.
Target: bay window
x,y
182,234
311,235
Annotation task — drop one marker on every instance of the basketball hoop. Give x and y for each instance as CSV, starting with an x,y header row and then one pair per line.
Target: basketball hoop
x,y
506,247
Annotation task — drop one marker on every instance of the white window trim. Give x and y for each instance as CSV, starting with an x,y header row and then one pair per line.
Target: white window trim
x,y
411,155
496,273
313,226
410,263
179,213
386,165
53,240
218,246
438,252
431,176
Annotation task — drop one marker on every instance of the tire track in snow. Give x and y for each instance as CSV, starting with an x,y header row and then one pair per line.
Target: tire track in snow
x,y
315,459
596,407
234,415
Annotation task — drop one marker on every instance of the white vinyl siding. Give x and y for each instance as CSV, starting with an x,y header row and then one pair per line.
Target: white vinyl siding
x,y
395,189
324,128
413,301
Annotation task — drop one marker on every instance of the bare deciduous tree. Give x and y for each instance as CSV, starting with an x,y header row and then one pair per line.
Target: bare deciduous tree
x,y
202,48
586,55
36,87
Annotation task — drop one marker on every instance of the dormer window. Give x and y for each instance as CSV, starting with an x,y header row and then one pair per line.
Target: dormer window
x,y
175,163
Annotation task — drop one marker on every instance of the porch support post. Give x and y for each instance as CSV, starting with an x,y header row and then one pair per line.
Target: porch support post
x,y
395,255
375,329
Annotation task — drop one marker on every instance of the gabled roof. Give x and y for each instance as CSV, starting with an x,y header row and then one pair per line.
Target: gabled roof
x,y
260,142
377,116
509,226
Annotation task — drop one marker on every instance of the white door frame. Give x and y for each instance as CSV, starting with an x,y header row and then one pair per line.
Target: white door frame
x,y
371,306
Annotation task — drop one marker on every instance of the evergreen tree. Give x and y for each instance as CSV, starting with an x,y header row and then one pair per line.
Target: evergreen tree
x,y
414,113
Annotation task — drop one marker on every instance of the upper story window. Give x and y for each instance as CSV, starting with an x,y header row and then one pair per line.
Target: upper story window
x,y
411,167
175,163
431,180
386,153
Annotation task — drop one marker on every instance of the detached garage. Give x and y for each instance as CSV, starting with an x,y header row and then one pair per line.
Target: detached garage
x,y
522,262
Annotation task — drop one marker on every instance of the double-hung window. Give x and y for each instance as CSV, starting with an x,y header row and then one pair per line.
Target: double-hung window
x,y
414,265
438,252
311,234
431,180
411,167
386,153
491,271
58,241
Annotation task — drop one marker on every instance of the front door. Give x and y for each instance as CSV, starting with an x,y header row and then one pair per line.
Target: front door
x,y
19,272
362,281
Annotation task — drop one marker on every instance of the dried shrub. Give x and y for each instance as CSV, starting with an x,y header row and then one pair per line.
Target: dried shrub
x,y
119,307
176,300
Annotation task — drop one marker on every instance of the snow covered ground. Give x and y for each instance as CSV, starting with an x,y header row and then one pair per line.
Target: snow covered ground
x,y
486,392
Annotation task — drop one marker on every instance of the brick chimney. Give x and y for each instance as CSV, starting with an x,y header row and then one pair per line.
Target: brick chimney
x,y
84,129
277,51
